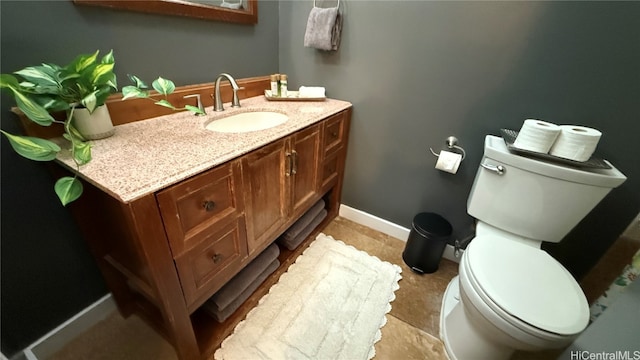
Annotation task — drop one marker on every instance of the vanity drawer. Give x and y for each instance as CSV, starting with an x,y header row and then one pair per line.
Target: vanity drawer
x,y
195,205
334,133
329,173
204,269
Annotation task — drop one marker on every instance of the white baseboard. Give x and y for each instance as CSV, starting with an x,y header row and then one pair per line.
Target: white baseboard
x,y
387,227
57,338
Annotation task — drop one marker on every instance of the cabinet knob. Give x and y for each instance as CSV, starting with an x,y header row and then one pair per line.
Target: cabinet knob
x,y
216,258
209,205
334,134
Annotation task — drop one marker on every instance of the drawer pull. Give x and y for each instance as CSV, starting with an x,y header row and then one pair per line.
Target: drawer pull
x,y
294,167
334,134
289,166
209,205
216,258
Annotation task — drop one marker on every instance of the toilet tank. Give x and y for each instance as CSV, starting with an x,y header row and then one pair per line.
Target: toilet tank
x,y
533,198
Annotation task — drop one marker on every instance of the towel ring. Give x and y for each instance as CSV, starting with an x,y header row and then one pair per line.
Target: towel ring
x,y
452,143
314,3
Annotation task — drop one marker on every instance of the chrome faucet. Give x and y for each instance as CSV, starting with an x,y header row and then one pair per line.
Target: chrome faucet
x,y
218,100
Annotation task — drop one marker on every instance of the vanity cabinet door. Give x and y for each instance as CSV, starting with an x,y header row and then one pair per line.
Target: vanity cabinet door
x,y
266,178
305,152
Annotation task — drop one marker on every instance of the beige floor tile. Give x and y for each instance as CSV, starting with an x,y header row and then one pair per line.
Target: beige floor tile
x,y
403,341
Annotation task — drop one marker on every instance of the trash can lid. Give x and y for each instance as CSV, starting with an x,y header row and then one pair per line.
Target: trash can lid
x,y
432,225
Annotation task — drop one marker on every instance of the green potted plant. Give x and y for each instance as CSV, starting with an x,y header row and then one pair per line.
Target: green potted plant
x,y
41,90
79,89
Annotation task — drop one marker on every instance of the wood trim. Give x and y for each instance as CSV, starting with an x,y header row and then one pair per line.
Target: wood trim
x,y
247,16
132,110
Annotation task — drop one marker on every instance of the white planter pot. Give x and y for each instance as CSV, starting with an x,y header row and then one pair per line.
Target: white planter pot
x,y
93,126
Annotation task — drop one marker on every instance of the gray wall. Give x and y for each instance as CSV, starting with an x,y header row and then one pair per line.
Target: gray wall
x,y
416,72
419,71
47,273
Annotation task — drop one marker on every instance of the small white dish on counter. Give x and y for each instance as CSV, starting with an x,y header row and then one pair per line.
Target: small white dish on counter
x,y
291,96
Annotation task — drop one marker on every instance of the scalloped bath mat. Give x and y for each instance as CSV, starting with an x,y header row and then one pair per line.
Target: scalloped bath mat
x,y
330,304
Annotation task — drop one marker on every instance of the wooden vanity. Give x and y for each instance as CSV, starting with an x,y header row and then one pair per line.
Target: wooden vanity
x,y
164,247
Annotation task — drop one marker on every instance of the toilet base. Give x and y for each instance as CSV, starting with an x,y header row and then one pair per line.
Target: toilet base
x,y
450,299
460,340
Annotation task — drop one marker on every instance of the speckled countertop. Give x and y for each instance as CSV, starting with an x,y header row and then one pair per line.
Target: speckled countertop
x,y
149,155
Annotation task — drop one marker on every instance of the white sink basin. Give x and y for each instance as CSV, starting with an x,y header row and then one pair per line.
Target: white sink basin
x,y
247,121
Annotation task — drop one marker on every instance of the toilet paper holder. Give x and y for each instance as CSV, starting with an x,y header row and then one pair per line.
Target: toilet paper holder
x,y
452,143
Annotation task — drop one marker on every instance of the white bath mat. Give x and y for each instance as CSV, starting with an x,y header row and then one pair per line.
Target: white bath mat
x,y
330,304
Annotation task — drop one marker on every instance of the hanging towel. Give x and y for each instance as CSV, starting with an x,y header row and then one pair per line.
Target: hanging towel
x,y
324,27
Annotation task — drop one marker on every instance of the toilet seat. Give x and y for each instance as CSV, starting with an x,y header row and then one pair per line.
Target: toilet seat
x,y
528,284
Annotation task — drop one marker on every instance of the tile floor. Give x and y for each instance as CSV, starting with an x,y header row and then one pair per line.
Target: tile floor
x,y
411,331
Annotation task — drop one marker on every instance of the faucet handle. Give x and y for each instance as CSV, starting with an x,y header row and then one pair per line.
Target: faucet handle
x,y
198,103
236,100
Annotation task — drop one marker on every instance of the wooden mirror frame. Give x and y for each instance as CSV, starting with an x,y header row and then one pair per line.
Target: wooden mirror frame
x,y
183,8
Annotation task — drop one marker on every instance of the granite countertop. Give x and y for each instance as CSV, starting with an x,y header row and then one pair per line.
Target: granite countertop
x,y
149,155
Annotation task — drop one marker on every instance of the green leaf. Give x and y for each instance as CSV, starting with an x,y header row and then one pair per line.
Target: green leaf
x,y
81,149
83,61
30,107
163,86
132,91
100,71
68,189
195,109
52,104
39,75
112,81
34,111
67,74
165,103
102,93
108,59
136,80
32,148
73,132
82,152
8,81
90,102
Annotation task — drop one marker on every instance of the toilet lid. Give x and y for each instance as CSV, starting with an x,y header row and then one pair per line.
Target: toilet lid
x,y
529,284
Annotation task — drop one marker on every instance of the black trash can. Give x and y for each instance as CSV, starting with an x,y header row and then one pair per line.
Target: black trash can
x,y
427,240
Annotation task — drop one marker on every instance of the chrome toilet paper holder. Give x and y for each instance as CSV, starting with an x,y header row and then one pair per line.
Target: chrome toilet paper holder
x,y
452,144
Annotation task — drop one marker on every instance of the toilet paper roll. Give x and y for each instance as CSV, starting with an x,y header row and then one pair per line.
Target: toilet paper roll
x,y
448,161
537,135
576,143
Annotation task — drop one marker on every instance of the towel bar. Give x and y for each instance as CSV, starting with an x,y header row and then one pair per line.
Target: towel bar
x,y
314,4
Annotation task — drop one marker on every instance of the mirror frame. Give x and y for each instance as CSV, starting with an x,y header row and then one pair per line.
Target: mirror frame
x,y
182,8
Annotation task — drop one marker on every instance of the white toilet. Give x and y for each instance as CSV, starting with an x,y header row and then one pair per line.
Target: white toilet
x,y
510,294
